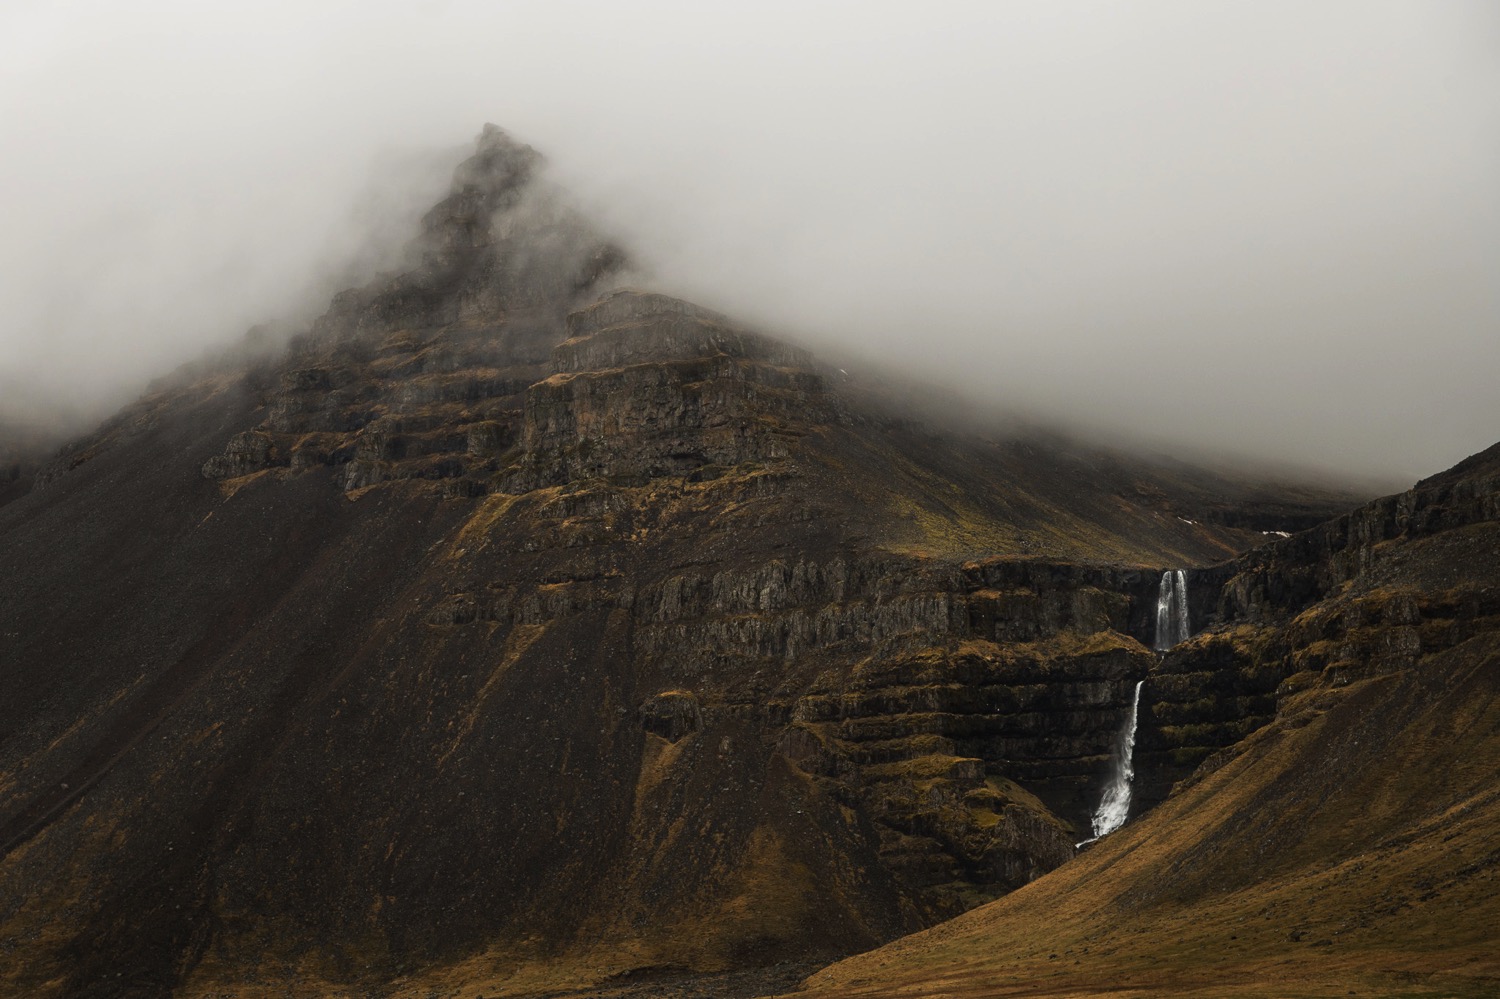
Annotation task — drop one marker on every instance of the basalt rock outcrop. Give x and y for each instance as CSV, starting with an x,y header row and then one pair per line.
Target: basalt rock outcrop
x,y
518,623
1333,732
1328,606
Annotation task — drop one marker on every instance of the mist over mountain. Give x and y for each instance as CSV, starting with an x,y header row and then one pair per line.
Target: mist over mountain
x,y
855,499
1267,233
514,625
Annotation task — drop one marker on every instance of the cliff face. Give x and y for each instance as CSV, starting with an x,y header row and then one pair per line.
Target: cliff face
x,y
1329,606
1334,827
517,621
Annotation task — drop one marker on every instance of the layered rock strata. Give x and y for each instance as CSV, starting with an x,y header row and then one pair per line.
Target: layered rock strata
x,y
513,619
1331,605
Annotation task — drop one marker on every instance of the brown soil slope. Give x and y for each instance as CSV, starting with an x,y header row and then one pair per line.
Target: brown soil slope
x,y
1351,846
508,624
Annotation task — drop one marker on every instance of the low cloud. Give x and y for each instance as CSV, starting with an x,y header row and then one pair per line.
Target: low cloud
x,y
1270,230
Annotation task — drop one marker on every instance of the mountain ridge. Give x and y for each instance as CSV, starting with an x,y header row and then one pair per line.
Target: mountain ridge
x,y
514,621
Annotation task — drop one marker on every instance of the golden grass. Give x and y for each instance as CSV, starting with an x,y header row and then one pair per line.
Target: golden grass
x,y
520,638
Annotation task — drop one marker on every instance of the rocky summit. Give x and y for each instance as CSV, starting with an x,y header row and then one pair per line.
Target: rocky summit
x,y
516,631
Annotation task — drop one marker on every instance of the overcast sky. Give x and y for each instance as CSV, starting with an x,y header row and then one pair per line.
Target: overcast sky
x,y
1269,228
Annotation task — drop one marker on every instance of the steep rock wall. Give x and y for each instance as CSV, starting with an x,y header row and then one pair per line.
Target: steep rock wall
x,y
1331,605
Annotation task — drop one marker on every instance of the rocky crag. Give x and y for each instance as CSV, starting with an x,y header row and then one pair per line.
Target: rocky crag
x,y
518,628
1323,607
1334,828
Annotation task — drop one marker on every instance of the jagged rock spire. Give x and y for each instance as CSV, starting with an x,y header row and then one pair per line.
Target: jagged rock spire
x,y
504,239
493,180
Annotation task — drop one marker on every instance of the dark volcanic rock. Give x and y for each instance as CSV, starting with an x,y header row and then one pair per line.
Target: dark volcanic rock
x,y
1337,827
245,453
512,619
501,242
671,715
1323,606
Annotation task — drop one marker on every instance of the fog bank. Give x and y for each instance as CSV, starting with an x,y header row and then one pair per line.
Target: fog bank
x,y
1267,229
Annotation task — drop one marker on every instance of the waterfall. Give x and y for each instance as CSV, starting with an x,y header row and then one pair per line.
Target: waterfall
x,y
1171,610
1114,806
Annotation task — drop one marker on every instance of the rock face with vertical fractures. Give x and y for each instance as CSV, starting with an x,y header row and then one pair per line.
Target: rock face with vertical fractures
x,y
516,622
1329,740
1304,610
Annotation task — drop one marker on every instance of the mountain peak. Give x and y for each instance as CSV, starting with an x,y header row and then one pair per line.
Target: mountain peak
x,y
503,239
500,163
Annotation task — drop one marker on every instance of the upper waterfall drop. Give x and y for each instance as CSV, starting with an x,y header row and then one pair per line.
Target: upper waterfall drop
x,y
1172,610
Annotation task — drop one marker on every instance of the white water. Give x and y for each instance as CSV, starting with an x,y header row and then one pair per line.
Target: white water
x,y
1114,806
1171,610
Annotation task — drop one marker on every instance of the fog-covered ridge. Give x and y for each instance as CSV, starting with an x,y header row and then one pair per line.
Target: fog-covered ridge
x,y
1269,232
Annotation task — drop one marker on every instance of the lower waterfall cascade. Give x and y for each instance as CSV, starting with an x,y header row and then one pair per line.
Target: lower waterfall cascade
x,y
1114,805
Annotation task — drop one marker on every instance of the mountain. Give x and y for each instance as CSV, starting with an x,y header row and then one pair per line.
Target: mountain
x,y
513,627
1348,844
